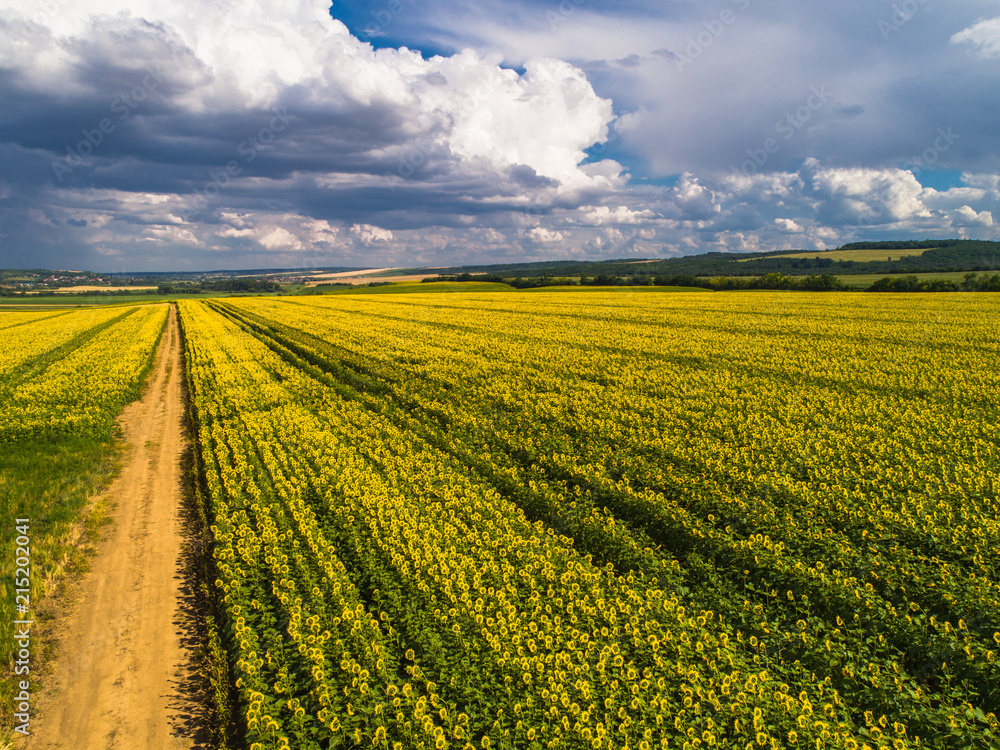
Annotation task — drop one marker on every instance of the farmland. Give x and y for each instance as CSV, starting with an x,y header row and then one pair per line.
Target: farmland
x,y
64,378
858,255
606,520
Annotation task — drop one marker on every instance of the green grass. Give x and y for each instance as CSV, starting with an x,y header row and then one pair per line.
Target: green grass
x,y
49,478
416,287
441,287
48,481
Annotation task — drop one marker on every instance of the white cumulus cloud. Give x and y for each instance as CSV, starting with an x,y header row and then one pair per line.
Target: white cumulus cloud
x,y
545,236
984,36
868,195
604,215
788,225
252,55
695,201
967,216
369,234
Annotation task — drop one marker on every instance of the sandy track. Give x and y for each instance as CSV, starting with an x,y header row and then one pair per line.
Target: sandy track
x,y
361,280
349,274
123,668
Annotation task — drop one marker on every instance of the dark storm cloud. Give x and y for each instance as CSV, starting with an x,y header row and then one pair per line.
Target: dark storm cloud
x,y
145,133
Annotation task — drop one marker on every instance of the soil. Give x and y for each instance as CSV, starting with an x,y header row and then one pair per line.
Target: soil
x,y
125,670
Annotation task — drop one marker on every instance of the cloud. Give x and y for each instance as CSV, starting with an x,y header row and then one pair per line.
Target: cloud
x,y
887,96
238,101
863,195
170,234
989,182
545,236
237,133
984,36
822,206
788,225
967,217
369,235
275,238
596,216
695,201
543,119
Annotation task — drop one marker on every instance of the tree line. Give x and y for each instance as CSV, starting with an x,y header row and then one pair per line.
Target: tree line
x,y
972,282
938,256
221,285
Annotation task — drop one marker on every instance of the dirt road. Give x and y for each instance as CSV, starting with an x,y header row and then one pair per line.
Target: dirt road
x,y
123,671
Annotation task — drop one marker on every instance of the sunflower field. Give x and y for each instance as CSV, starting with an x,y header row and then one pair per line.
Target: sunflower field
x,y
71,372
624,519
65,376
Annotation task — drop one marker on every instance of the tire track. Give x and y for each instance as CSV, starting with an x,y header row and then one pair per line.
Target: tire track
x,y
123,671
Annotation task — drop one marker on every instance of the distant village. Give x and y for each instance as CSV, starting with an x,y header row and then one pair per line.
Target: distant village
x,y
55,281
45,280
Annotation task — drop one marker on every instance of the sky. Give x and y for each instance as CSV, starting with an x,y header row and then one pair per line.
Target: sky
x,y
159,135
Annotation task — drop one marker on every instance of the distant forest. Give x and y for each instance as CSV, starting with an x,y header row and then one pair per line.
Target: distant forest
x,y
222,285
973,282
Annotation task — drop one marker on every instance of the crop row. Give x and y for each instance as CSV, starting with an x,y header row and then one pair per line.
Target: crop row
x,y
510,634
632,482
72,374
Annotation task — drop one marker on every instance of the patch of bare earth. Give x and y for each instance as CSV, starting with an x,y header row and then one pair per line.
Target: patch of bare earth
x,y
125,670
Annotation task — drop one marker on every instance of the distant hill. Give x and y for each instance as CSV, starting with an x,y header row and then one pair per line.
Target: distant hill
x,y
897,258
41,280
893,258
